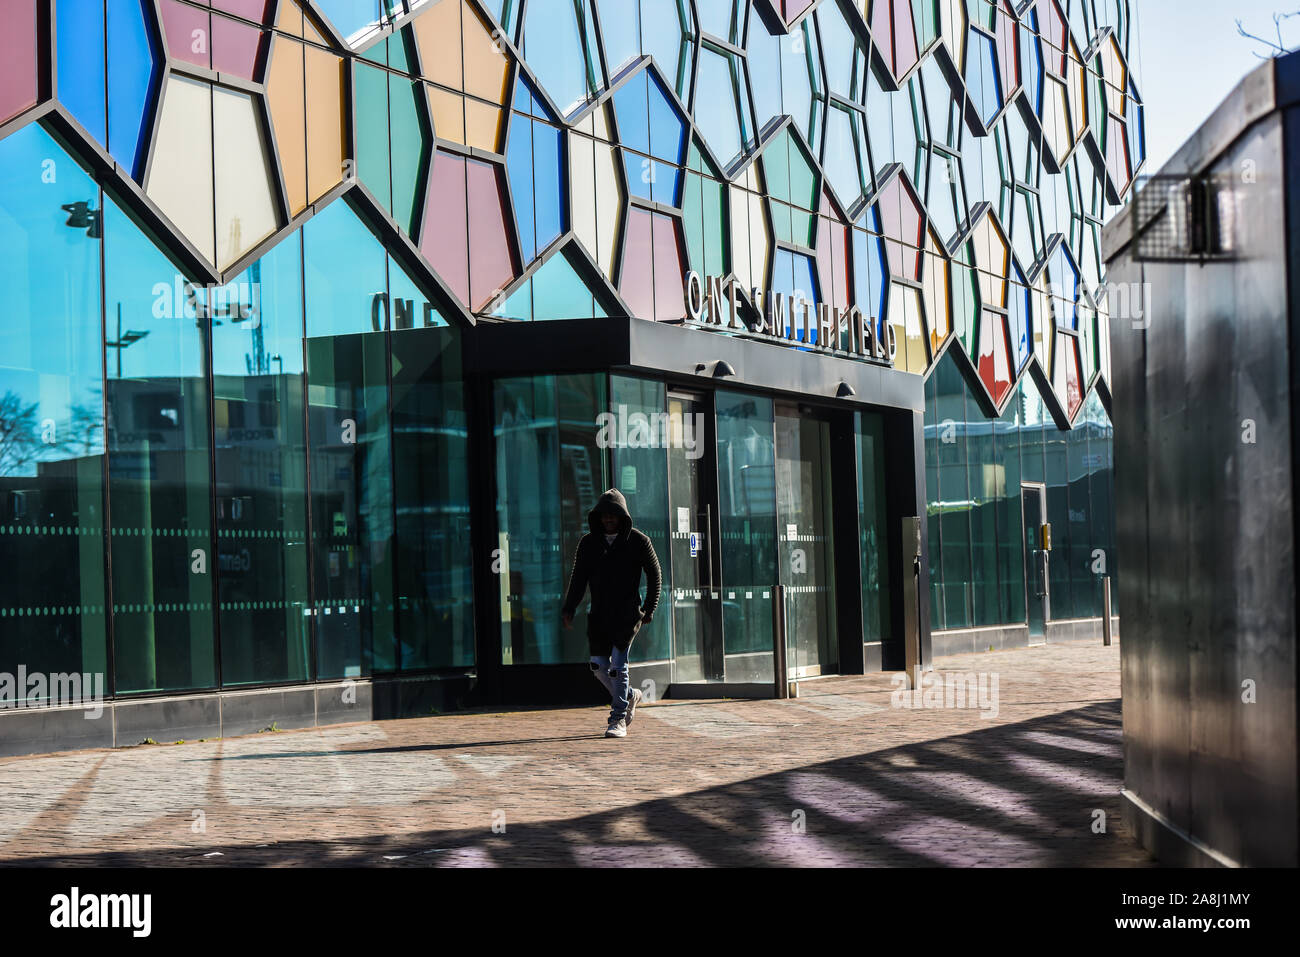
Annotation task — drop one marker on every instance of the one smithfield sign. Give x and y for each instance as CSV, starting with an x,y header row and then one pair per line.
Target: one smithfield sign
x,y
793,319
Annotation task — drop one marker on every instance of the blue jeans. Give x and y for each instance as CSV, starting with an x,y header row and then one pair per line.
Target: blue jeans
x,y
611,671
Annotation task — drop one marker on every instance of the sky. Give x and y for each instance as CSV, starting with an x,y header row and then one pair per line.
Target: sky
x,y
1189,56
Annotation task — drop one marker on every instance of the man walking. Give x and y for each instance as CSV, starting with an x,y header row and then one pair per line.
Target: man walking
x,y
610,559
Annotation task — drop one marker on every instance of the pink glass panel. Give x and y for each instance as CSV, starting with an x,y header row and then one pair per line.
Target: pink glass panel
x,y
905,52
1008,43
882,29
1052,24
491,267
18,82
189,36
793,8
833,255
900,221
670,298
234,47
1117,160
636,280
254,10
444,242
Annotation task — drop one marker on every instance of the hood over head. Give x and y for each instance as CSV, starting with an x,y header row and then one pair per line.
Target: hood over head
x,y
611,501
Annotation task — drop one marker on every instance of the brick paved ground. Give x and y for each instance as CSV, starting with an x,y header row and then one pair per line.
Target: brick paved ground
x,y
694,783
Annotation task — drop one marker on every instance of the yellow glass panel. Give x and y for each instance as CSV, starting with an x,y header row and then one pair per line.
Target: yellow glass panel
x,y
582,192
180,175
486,68
936,297
740,257
325,122
284,94
1056,121
482,124
1042,318
601,124
905,317
245,209
760,250
608,205
448,114
288,19
437,34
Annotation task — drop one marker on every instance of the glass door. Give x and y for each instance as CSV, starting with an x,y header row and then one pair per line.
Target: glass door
x,y
697,631
804,534
1033,497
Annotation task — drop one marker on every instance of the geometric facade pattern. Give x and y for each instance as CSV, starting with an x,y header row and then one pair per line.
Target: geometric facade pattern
x,y
944,165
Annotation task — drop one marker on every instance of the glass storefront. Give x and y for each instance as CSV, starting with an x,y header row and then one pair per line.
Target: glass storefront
x,y
981,562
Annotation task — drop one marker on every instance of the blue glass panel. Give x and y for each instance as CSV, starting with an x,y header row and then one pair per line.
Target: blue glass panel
x,y
667,128
519,167
560,293
350,17
548,183
794,274
982,80
841,155
345,273
631,112
796,82
618,25
559,49
715,106
80,29
763,51
664,37
837,48
718,18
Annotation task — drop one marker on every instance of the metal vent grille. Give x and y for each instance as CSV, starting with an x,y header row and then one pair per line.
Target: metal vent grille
x,y
1182,218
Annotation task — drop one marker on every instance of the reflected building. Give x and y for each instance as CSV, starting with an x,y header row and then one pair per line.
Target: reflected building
x,y
310,335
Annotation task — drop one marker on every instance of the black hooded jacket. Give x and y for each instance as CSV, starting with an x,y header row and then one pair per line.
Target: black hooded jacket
x,y
613,572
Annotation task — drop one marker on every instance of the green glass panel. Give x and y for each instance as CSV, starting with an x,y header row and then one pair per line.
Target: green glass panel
x,y
560,293
410,307
410,149
370,100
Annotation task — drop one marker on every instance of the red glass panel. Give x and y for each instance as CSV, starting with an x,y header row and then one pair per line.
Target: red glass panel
x,y
234,47
19,89
189,35
670,297
636,279
1073,378
445,235
491,267
994,361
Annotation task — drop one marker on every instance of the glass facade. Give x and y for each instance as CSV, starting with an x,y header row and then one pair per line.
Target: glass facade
x,y
237,444
976,467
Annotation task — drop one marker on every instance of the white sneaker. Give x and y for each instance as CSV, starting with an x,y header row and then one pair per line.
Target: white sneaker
x,y
617,729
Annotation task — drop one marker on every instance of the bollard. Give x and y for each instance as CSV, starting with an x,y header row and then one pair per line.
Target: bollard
x,y
780,674
1105,610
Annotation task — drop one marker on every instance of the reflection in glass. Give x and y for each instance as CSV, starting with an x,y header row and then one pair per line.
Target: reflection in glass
x,y
261,469
52,616
158,464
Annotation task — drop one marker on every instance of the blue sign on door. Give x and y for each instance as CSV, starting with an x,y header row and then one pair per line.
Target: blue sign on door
x,y
695,544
